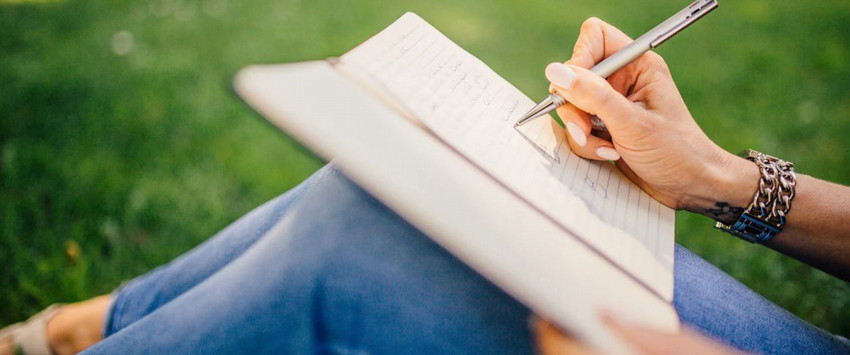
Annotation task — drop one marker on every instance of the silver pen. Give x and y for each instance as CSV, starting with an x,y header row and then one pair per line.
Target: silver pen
x,y
654,38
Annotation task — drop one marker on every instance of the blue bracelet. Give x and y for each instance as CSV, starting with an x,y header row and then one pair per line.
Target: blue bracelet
x,y
751,229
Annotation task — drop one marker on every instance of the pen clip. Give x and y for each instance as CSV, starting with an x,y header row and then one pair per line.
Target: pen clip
x,y
684,18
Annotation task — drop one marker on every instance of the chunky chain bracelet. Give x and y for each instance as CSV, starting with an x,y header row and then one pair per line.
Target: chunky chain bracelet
x,y
766,215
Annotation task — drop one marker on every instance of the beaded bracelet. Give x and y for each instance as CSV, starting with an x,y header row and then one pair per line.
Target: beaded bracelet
x,y
765,217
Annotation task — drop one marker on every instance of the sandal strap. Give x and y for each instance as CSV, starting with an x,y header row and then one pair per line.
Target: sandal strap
x,y
30,336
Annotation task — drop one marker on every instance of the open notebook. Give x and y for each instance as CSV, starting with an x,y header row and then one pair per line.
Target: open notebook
x,y
429,130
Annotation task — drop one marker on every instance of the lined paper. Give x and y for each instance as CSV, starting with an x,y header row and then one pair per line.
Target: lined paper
x,y
472,109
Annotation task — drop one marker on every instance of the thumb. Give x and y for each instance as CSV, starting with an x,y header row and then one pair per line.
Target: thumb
x,y
590,93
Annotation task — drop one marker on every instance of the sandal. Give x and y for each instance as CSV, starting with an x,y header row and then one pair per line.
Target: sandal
x,y
30,336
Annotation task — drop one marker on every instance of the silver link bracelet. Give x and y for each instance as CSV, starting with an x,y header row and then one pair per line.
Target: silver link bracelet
x,y
766,215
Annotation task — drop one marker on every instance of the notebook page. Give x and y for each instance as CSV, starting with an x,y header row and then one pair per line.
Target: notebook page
x,y
471,108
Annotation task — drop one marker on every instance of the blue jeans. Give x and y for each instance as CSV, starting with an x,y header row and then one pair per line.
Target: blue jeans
x,y
325,268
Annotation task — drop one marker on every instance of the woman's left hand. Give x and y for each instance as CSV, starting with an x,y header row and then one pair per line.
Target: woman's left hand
x,y
551,341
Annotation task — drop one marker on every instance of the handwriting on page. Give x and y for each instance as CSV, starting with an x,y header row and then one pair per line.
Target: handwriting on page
x,y
452,95
471,108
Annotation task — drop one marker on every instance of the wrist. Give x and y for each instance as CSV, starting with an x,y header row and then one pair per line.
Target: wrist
x,y
727,188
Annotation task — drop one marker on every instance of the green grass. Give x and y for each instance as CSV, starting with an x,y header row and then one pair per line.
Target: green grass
x,y
119,152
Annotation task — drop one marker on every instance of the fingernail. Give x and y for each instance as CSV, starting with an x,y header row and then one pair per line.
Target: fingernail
x,y
607,153
560,74
577,134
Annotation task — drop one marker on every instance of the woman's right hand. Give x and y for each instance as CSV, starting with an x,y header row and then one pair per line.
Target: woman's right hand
x,y
654,139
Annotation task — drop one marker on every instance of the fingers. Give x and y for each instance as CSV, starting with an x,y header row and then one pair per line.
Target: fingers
x,y
578,128
649,341
551,341
589,94
596,41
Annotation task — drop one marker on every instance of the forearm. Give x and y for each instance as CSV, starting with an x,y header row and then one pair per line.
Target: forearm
x,y
818,227
816,232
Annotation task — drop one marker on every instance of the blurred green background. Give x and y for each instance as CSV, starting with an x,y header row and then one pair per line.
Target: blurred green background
x,y
122,144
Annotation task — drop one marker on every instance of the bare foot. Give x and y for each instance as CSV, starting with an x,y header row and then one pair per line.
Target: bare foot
x,y
76,326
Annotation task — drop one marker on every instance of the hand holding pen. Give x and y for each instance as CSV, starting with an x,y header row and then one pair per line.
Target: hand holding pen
x,y
655,140
654,38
